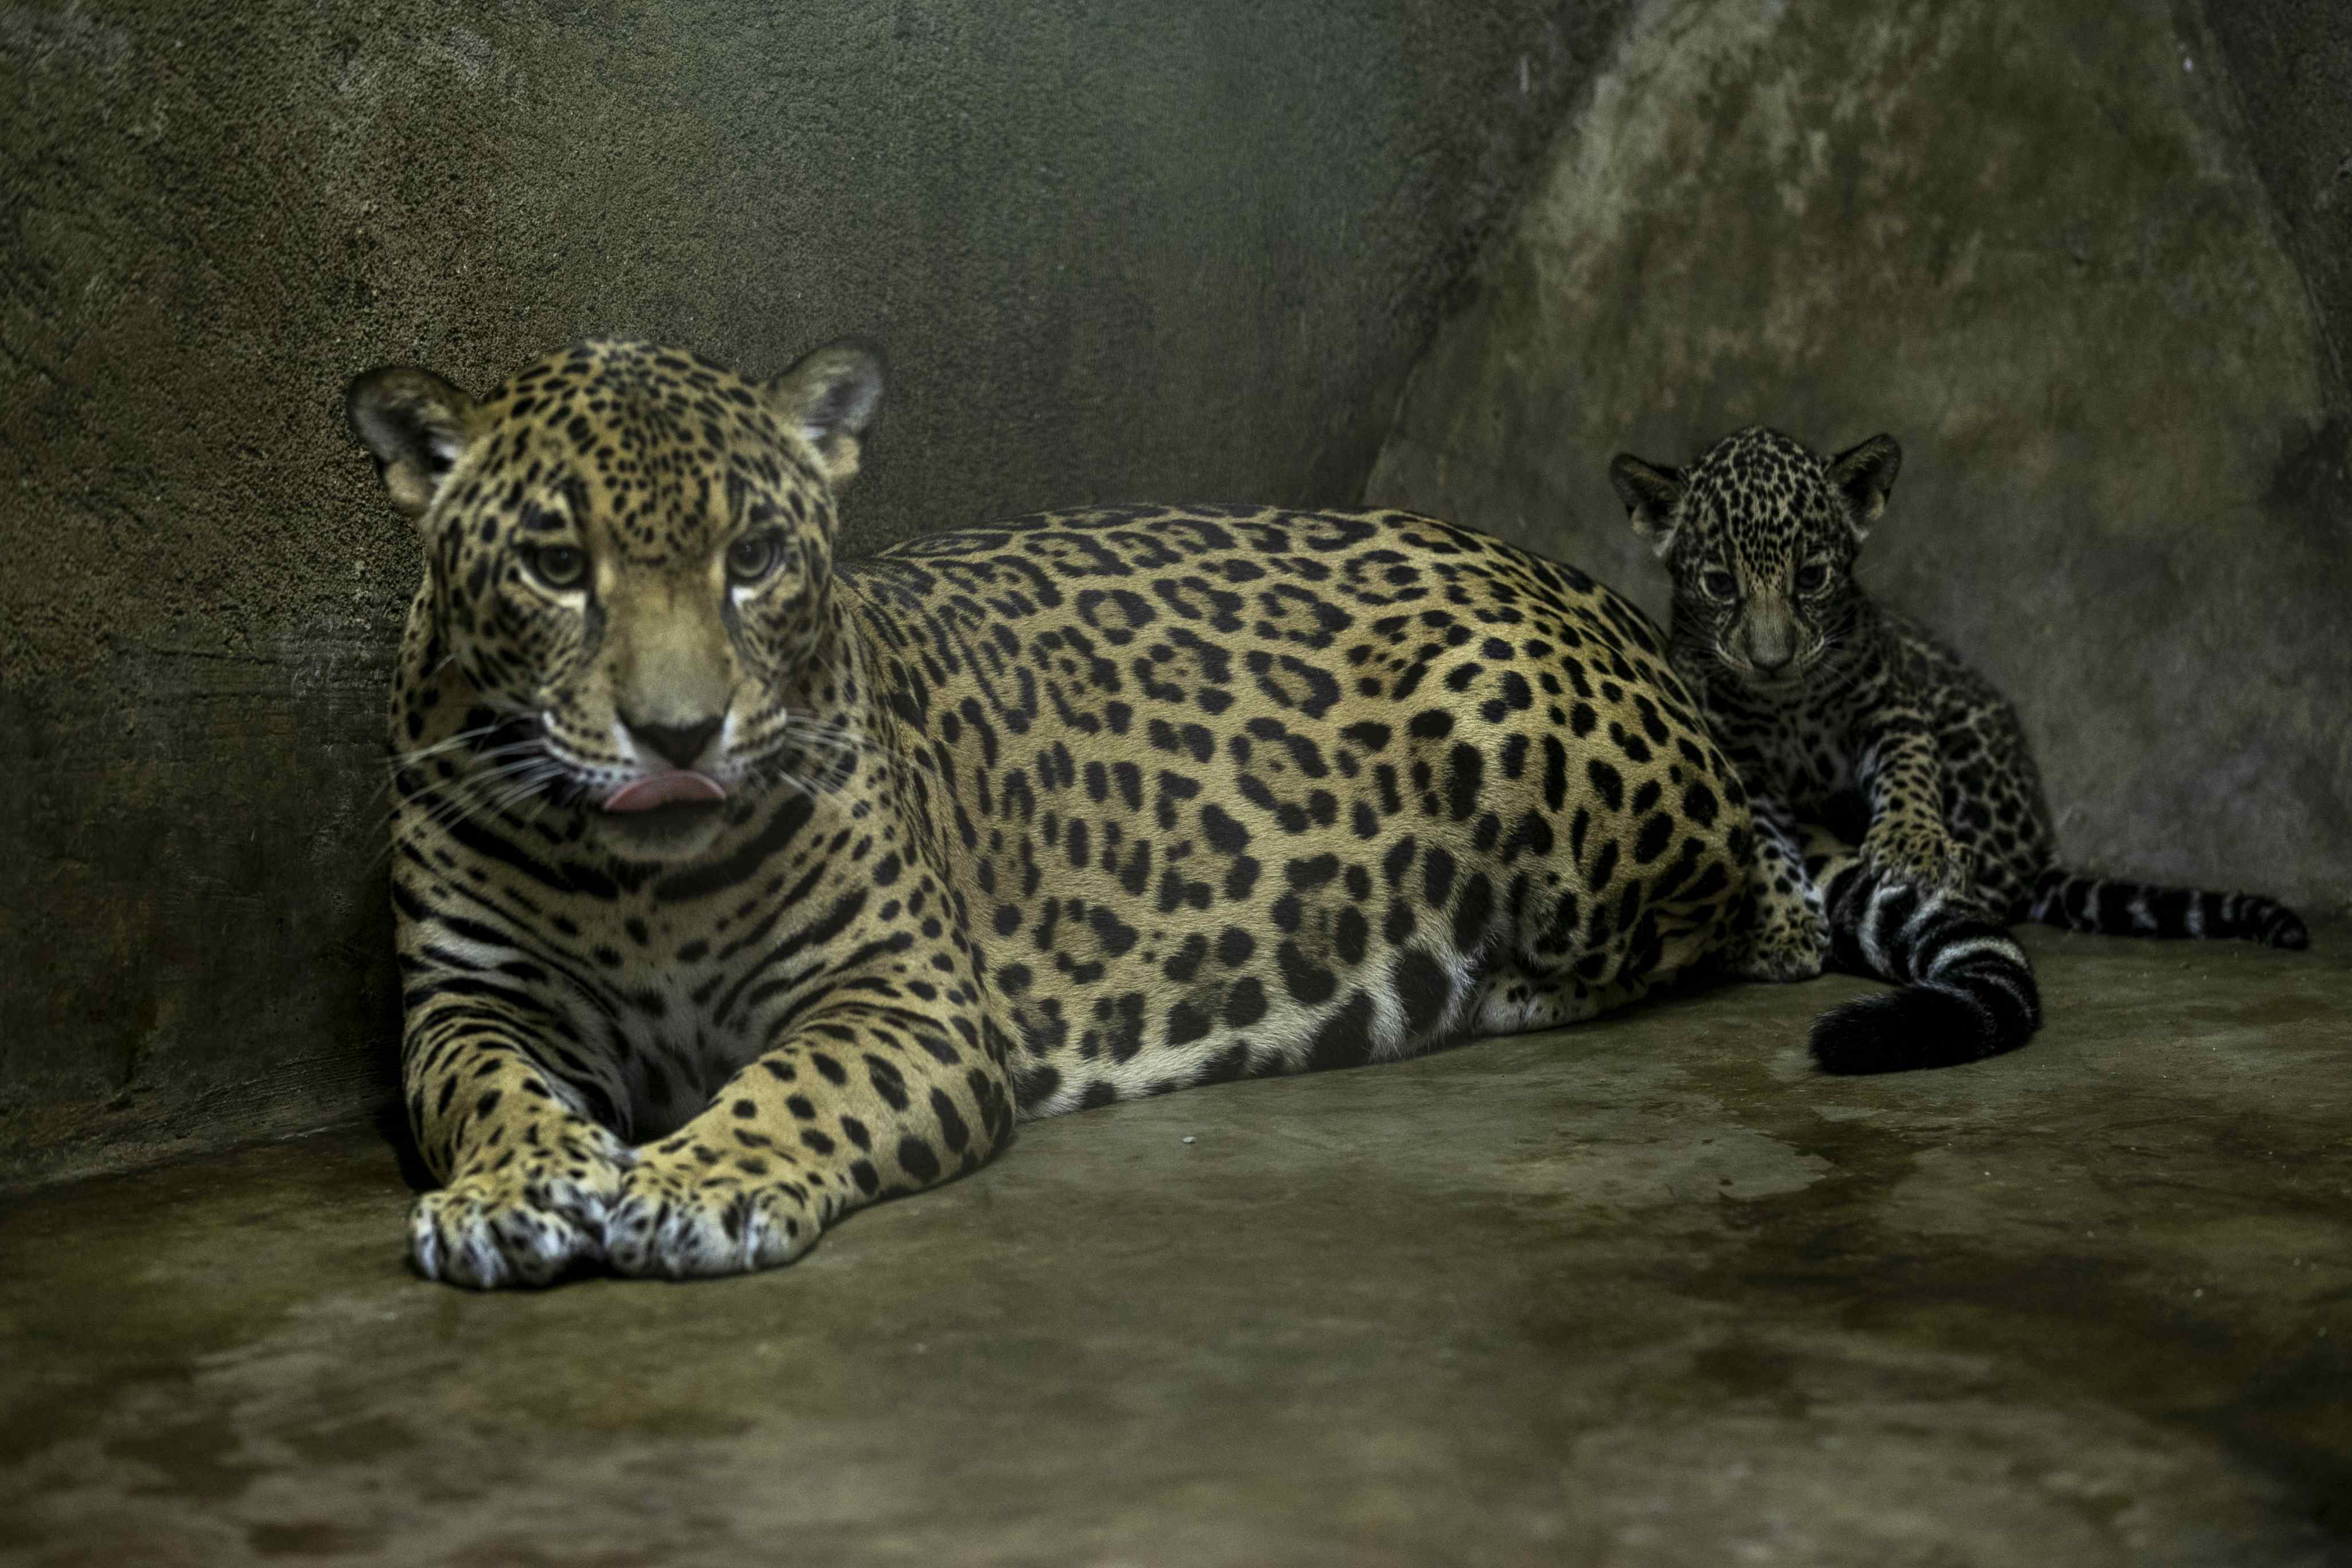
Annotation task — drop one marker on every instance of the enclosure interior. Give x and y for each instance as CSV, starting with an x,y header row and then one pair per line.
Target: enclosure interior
x,y
1616,1292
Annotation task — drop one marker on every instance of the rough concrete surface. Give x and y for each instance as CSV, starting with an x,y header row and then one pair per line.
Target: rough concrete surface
x,y
2291,61
2031,241
1114,250
1646,1292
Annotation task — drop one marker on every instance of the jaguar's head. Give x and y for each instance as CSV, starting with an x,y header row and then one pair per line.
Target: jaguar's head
x,y
1761,534
629,553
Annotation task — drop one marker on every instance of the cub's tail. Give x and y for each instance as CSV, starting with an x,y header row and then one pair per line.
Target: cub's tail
x,y
1968,991
2107,907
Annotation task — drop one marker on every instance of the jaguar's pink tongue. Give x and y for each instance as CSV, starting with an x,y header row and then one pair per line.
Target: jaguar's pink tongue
x,y
663,789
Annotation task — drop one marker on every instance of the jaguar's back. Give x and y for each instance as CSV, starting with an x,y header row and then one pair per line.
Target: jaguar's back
x,y
1226,791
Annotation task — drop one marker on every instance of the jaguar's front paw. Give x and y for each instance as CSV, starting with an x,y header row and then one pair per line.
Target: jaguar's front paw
x,y
1923,856
678,1218
526,1225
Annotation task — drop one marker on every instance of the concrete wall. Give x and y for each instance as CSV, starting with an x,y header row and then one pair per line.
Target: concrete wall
x,y
2033,242
2291,62
1122,249
1116,248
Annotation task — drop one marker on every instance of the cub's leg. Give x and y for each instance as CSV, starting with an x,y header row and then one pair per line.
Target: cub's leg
x,y
526,1174
1782,933
862,1100
1908,839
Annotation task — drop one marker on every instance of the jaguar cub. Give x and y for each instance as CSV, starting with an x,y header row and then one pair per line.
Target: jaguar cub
x,y
739,886
1843,715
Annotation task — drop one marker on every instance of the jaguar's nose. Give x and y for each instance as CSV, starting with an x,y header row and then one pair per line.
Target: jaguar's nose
x,y
680,745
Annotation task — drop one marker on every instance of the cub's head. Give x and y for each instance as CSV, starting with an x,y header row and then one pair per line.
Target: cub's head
x,y
1761,534
629,552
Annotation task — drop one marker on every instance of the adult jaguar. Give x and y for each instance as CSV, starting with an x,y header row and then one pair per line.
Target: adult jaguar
x,y
738,886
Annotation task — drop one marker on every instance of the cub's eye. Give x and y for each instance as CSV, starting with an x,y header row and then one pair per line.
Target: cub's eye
x,y
1813,577
558,565
1718,585
752,557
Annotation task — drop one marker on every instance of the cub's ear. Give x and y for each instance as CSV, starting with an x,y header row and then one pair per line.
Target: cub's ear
x,y
829,399
1864,475
415,425
1650,494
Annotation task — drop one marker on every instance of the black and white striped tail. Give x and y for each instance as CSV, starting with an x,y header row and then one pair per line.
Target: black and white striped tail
x,y
1968,991
2106,905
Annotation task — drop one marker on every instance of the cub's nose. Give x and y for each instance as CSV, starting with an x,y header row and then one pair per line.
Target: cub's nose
x,y
677,744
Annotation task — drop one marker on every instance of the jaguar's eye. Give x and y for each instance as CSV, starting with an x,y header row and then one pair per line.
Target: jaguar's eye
x,y
560,566
1718,585
752,557
1813,577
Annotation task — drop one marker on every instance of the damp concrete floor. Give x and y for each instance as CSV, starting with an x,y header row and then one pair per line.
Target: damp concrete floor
x,y
1644,1292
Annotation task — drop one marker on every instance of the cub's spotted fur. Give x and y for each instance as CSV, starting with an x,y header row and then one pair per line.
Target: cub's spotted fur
x,y
1841,714
739,887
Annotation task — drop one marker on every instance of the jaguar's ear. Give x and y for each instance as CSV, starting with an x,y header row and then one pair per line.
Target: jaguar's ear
x,y
830,399
1864,475
1650,494
416,425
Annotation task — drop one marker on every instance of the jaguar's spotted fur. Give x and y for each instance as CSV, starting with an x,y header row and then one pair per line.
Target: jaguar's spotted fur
x,y
1009,820
1848,716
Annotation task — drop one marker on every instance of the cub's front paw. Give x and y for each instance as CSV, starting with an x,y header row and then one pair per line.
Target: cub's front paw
x,y
1779,936
1923,857
678,1218
1784,954
523,1226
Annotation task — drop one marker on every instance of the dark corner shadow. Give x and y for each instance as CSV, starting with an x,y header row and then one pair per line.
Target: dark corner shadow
x,y
392,1123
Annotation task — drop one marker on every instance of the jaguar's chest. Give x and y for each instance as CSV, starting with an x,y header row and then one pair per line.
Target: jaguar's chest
x,y
659,1001
655,984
